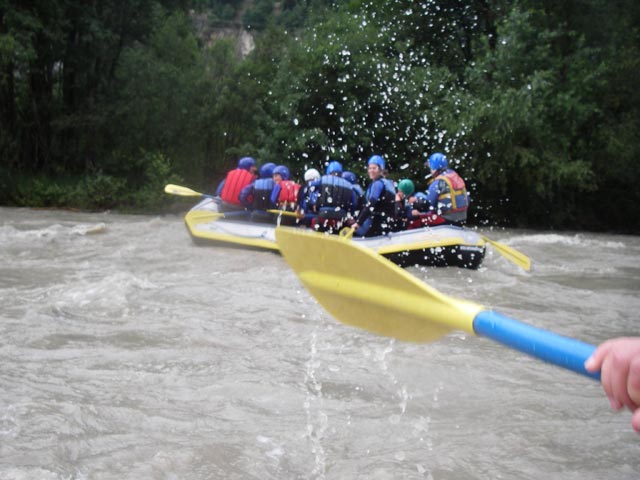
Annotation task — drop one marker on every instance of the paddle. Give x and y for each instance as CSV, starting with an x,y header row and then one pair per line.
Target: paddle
x,y
183,191
347,233
285,213
363,289
511,254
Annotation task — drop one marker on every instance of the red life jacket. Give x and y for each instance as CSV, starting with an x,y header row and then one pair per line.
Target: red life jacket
x,y
288,195
235,181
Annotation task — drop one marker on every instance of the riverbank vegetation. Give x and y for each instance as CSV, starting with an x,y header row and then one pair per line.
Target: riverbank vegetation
x,y
535,102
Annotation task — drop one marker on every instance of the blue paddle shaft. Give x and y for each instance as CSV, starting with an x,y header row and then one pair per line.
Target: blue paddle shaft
x,y
561,351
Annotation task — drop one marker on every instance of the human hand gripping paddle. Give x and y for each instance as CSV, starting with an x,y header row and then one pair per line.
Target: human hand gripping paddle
x,y
363,289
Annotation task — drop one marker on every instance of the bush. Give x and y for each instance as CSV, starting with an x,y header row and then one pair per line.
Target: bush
x,y
149,194
103,191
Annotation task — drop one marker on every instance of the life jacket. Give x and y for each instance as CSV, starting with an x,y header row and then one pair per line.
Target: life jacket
x,y
262,189
335,195
453,201
387,201
288,195
234,182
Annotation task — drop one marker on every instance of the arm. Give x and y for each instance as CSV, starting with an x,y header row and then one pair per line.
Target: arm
x,y
219,189
433,192
275,193
245,195
302,202
372,197
354,202
400,207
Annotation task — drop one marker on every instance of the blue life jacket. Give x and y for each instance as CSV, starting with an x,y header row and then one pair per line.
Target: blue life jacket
x,y
335,196
262,189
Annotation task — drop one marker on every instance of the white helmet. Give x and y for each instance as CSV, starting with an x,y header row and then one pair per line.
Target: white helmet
x,y
311,174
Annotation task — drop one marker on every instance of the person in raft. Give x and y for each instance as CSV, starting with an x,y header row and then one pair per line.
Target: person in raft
x,y
377,216
446,194
307,197
229,189
404,203
351,177
284,194
257,195
335,199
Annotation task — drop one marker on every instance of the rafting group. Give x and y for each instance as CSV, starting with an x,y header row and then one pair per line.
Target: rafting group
x,y
334,200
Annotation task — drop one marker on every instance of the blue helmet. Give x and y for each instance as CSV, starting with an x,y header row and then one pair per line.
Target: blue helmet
x,y
421,201
421,196
377,160
334,167
350,177
437,161
282,171
266,170
246,163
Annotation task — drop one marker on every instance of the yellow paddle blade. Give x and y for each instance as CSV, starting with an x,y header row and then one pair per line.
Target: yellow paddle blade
x,y
361,288
182,191
347,233
511,254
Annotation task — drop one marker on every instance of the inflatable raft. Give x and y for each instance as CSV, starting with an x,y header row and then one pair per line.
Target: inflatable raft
x,y
441,246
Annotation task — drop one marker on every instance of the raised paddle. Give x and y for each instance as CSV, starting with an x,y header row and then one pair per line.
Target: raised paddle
x,y
363,289
182,191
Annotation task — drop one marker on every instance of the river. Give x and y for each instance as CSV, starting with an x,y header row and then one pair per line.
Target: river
x,y
128,352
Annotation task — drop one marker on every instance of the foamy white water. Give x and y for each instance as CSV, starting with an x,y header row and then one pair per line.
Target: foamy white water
x,y
127,352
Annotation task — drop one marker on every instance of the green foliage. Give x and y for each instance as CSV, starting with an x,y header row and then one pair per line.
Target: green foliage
x,y
40,192
148,192
221,12
535,107
141,190
330,99
102,192
535,102
158,82
257,16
